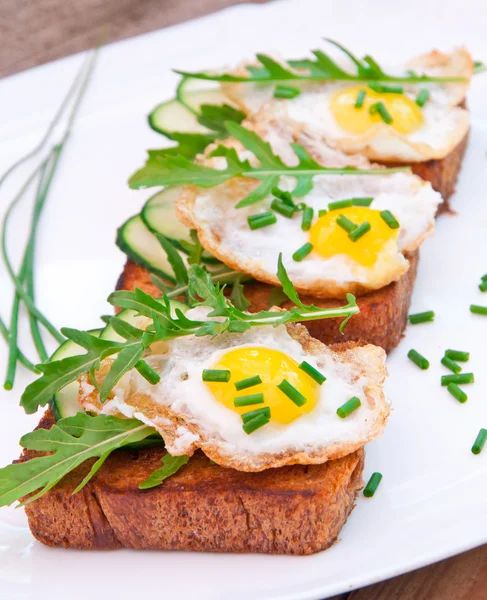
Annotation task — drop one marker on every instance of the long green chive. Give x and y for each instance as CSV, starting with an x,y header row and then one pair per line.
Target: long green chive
x,y
340,204
312,372
382,111
483,286
390,219
302,252
283,209
307,218
458,378
349,407
345,223
287,92
261,220
386,89
423,317
359,231
362,201
422,97
255,423
21,356
243,384
458,355
359,102
292,393
372,484
248,400
216,375
457,392
147,372
478,310
322,212
283,196
450,364
418,359
479,441
248,416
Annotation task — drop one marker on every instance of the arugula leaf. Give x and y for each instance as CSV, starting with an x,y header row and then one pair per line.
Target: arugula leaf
x,y
237,296
276,298
71,441
215,116
170,465
321,68
189,145
180,171
174,258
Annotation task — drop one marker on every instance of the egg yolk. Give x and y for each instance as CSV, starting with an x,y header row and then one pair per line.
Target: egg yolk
x,y
273,366
405,113
329,239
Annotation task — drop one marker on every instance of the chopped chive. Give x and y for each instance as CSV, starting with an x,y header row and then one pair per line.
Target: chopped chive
x,y
359,231
386,89
300,206
458,378
372,485
382,111
450,364
287,92
216,375
484,277
322,212
349,407
345,223
307,218
261,220
302,252
283,196
458,355
479,441
483,286
283,209
312,372
478,310
390,219
423,317
248,416
243,384
362,201
147,372
255,423
422,97
292,393
457,392
248,400
418,359
359,102
340,204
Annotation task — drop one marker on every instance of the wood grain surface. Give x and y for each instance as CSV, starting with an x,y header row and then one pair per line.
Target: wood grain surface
x,y
33,32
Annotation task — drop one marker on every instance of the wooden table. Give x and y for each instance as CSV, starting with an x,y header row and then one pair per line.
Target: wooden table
x,y
37,32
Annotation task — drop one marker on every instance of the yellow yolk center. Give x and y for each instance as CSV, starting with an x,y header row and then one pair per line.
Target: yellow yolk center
x,y
329,239
273,366
405,113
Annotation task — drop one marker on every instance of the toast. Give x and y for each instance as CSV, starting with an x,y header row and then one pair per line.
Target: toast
x,y
381,321
203,507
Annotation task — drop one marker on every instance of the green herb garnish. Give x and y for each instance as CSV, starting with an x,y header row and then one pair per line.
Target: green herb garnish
x,y
390,219
170,465
292,393
458,355
255,423
349,407
218,375
261,220
423,317
359,231
457,392
372,484
248,416
312,372
457,378
450,364
286,92
418,359
243,384
248,400
302,253
479,441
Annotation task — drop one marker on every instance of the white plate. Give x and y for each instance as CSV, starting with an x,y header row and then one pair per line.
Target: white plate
x,y
431,503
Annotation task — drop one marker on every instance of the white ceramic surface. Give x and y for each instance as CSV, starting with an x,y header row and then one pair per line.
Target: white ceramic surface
x,y
431,503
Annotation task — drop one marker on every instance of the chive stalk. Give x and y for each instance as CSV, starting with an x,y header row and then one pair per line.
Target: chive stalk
x,y
390,219
483,286
248,416
248,400
423,317
216,375
302,252
372,484
478,310
362,201
457,392
322,212
349,407
457,355
292,393
451,364
243,384
307,218
359,102
285,197
345,223
339,204
286,92
359,231
256,423
312,372
261,220
147,372
479,441
422,97
457,378
418,359
283,209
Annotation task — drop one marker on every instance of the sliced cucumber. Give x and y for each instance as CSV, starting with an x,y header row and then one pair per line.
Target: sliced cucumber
x,y
173,117
65,402
142,246
160,217
192,93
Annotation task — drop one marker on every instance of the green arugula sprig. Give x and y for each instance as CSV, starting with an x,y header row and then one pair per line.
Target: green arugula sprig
x,y
163,327
170,465
163,170
321,68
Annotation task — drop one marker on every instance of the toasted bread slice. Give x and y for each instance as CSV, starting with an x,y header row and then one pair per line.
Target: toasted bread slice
x,y
381,321
203,507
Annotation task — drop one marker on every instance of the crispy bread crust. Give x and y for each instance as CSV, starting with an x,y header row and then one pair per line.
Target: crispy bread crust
x,y
381,321
203,507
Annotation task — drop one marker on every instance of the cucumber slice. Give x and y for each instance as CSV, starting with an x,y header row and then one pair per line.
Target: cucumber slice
x,y
160,217
142,246
173,117
192,93
133,317
65,402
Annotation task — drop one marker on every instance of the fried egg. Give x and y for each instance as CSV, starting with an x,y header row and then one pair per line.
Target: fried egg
x,y
193,414
407,133
337,263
